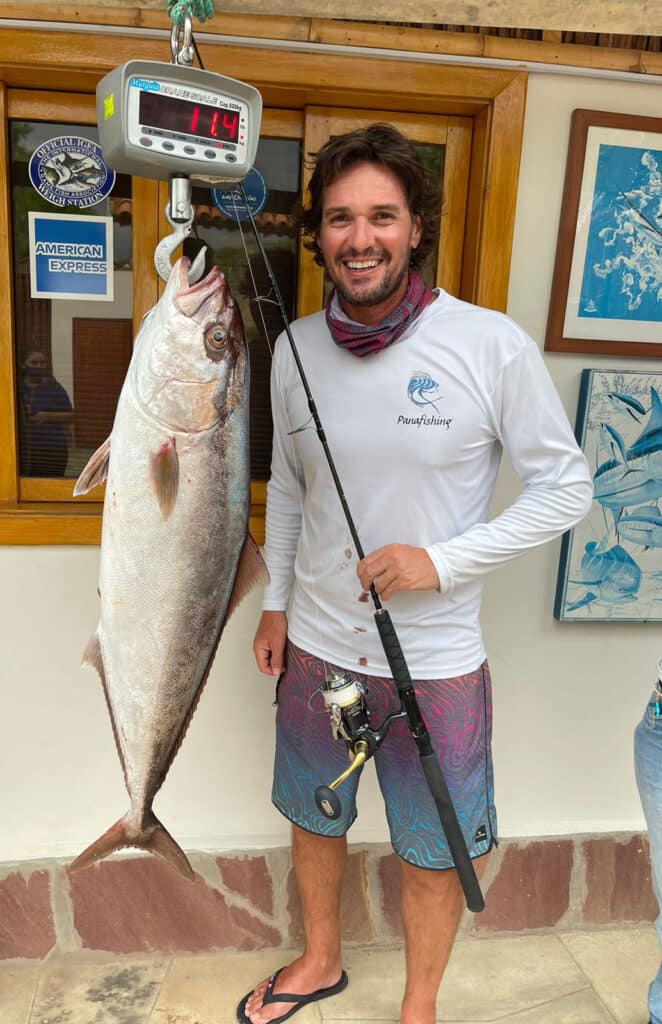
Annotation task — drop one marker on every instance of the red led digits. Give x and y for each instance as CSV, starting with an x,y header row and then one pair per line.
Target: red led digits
x,y
230,122
213,131
194,119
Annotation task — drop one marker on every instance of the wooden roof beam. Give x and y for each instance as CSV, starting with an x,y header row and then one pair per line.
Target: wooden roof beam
x,y
615,16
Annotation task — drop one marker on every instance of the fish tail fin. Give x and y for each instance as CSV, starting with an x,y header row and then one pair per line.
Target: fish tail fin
x,y
152,837
159,842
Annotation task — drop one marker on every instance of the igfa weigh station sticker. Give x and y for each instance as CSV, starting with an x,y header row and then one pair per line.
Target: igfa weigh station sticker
x,y
69,171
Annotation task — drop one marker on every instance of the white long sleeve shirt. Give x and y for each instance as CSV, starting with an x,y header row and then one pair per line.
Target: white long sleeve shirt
x,y
416,432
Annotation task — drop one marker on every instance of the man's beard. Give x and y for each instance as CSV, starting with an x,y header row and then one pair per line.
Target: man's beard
x,y
380,293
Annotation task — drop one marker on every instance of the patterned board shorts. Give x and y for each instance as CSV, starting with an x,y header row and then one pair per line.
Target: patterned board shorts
x,y
458,714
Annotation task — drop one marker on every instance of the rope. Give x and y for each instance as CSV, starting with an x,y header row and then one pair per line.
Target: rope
x,y
200,9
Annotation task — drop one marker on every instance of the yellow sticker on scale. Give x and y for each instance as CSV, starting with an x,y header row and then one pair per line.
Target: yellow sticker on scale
x,y
108,106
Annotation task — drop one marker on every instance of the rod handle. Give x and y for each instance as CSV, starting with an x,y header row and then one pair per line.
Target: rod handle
x,y
454,836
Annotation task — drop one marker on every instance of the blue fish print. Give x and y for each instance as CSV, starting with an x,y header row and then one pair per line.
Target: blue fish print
x,y
633,476
612,576
642,525
420,385
626,403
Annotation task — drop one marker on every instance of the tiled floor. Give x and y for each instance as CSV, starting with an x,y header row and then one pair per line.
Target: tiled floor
x,y
596,977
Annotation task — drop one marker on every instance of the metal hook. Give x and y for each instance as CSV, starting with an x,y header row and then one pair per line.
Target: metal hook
x,y
168,245
181,42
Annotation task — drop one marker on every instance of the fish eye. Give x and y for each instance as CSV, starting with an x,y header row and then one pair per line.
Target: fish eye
x,y
217,339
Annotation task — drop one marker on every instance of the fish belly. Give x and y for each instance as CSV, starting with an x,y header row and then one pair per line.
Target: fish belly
x,y
165,585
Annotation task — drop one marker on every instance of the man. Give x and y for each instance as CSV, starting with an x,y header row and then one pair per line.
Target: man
x,y
48,415
416,425
648,769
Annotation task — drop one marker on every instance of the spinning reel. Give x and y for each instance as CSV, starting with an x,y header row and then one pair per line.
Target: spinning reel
x,y
345,700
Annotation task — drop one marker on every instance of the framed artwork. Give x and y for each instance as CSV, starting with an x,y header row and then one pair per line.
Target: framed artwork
x,y
611,563
607,286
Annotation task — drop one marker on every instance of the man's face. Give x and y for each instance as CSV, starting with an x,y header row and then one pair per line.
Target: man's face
x,y
36,366
366,237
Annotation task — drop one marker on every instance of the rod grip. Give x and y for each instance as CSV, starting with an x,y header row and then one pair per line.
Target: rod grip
x,y
392,649
430,762
454,836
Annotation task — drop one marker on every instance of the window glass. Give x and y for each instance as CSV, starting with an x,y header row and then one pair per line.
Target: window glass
x,y
71,354
233,248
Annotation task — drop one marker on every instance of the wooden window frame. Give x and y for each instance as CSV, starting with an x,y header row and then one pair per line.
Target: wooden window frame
x,y
43,61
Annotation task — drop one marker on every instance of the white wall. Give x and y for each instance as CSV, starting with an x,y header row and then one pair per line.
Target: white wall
x,y
567,696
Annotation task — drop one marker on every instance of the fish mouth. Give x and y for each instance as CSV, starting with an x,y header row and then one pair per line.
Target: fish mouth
x,y
207,296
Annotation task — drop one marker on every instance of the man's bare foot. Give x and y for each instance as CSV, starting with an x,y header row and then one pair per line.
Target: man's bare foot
x,y
301,977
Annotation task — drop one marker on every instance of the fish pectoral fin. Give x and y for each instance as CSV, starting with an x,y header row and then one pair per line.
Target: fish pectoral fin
x,y
164,475
96,470
251,572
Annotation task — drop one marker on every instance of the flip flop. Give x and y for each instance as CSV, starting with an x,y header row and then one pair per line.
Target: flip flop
x,y
288,997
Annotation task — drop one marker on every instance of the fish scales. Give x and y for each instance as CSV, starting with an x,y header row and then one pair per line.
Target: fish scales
x,y
175,551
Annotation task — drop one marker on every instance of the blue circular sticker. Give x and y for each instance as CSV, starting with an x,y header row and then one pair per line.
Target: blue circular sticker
x,y
231,202
70,171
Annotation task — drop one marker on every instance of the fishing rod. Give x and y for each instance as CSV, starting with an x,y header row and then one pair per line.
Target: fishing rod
x,y
345,697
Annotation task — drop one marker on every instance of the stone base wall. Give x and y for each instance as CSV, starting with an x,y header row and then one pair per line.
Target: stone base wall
x,y
243,901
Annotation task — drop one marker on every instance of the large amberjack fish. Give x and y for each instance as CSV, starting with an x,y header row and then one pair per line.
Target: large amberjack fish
x,y
176,555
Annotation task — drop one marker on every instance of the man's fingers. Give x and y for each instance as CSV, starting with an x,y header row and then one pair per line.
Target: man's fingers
x,y
369,570
263,659
386,586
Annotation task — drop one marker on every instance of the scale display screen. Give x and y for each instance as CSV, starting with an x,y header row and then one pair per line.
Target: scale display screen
x,y
189,118
157,119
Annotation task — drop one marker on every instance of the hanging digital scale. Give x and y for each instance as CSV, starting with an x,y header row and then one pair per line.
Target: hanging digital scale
x,y
157,119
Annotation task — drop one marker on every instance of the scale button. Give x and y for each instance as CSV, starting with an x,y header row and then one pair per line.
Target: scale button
x,y
210,154
231,158
145,142
190,150
168,145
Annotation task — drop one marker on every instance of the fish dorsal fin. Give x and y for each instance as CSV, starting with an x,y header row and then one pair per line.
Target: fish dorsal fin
x,y
655,419
96,470
649,438
613,442
93,658
163,475
251,572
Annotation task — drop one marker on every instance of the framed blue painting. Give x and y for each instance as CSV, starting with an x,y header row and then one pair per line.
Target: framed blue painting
x,y
611,563
607,287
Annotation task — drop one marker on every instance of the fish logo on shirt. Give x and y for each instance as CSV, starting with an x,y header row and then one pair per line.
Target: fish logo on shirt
x,y
421,387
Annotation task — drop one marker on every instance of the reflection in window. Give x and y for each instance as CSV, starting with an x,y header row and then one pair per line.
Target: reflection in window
x,y
71,355
279,161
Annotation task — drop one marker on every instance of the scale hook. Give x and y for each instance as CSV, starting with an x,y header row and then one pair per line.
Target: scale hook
x,y
167,246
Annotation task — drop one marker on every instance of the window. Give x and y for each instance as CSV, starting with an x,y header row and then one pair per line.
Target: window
x,y
83,347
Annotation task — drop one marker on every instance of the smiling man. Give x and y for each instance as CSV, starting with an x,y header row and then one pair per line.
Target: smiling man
x,y
418,394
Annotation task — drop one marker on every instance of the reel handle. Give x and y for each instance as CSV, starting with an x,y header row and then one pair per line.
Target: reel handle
x,y
328,802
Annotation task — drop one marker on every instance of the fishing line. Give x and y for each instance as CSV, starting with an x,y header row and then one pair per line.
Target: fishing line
x,y
277,301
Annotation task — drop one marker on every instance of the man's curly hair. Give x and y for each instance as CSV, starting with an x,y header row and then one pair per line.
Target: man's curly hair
x,y
384,145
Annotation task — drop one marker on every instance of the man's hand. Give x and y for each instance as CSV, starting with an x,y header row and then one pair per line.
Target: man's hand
x,y
397,567
269,643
